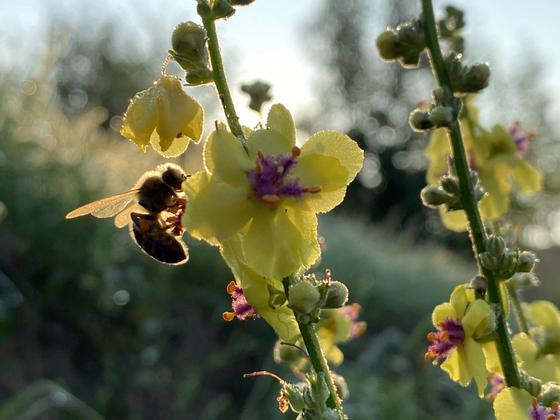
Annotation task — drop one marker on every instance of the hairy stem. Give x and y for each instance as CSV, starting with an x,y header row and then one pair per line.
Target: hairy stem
x,y
476,227
316,356
220,79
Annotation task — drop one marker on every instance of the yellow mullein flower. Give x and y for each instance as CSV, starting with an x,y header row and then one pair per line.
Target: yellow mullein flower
x,y
458,324
545,367
545,325
165,117
498,156
256,290
270,192
517,404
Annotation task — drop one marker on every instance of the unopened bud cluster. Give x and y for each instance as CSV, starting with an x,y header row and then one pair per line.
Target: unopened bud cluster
x,y
308,296
448,193
405,43
450,27
508,263
466,79
190,52
259,93
438,116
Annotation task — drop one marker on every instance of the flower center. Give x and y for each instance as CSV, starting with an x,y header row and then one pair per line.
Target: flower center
x,y
271,181
241,308
540,412
521,138
449,335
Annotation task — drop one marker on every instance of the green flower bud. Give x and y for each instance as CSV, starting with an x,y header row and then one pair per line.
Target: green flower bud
x,y
388,45
526,262
410,60
259,92
420,120
294,393
189,42
488,261
303,297
451,185
199,76
529,383
496,245
433,196
203,9
319,388
550,393
222,9
475,78
337,295
441,116
507,264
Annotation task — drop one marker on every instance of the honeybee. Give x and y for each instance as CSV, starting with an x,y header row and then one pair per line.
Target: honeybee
x,y
152,209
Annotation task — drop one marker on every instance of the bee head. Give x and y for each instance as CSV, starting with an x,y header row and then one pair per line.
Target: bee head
x,y
173,176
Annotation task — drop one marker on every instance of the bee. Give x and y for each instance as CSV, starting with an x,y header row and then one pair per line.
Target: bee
x,y
152,209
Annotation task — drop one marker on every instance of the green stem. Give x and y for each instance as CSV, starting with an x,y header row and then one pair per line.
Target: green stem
x,y
220,79
476,227
517,309
316,356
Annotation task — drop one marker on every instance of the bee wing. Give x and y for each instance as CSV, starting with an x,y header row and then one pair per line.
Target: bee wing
x,y
105,207
123,218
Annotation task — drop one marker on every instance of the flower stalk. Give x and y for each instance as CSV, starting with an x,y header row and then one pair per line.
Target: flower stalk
x,y
517,309
477,230
220,80
316,356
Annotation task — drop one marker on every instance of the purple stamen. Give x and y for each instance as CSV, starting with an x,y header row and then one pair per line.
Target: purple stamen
x,y
449,335
352,312
521,138
241,308
270,178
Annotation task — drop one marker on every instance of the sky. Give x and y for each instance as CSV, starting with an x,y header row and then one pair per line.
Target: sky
x,y
266,41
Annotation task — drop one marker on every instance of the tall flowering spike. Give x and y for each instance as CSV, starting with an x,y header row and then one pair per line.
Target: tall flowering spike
x,y
241,308
498,156
458,323
518,404
270,193
165,117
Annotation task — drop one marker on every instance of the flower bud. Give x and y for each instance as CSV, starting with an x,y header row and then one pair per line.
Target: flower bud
x,y
433,196
337,295
203,9
475,78
488,261
286,353
526,262
222,9
420,120
341,386
259,92
507,264
496,245
303,297
479,284
199,76
295,397
388,45
451,185
189,42
441,116
550,393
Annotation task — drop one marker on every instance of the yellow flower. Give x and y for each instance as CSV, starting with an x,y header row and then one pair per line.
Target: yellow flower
x,y
256,290
270,192
498,156
517,404
165,117
458,324
545,367
545,325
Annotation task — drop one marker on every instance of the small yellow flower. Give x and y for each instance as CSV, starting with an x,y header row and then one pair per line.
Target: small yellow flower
x,y
497,155
458,324
545,367
517,404
270,192
165,117
544,318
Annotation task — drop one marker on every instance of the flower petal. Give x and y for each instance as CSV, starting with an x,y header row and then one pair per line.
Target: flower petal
x,y
225,158
279,136
443,312
460,299
527,177
493,364
140,118
457,367
512,404
215,210
478,320
477,364
281,242
338,146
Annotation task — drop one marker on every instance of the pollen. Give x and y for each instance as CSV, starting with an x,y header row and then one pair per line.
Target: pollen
x,y
228,316
270,198
313,190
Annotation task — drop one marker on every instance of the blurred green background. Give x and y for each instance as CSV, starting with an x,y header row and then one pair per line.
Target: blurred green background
x,y
90,328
